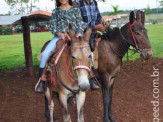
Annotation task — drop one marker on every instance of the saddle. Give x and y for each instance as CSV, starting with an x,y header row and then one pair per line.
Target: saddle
x,y
49,70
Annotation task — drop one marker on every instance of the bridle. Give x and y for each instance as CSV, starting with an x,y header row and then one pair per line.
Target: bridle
x,y
137,50
81,66
131,25
71,78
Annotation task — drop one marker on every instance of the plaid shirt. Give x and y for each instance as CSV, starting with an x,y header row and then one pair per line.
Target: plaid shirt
x,y
89,12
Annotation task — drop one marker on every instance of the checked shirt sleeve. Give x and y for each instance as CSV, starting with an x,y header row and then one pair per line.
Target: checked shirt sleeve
x,y
99,17
53,23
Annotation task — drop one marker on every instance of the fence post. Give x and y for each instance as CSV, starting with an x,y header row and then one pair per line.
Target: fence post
x,y
27,46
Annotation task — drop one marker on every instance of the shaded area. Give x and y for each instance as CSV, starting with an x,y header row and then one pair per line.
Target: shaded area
x,y
132,96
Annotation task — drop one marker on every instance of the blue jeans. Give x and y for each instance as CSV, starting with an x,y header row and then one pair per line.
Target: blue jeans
x,y
47,52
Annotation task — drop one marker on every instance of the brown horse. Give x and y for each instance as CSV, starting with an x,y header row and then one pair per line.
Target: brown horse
x,y
71,75
111,49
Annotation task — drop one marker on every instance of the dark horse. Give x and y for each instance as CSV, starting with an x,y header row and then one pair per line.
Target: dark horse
x,y
111,49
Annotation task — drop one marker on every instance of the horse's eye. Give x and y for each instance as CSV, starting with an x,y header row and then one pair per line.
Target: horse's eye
x,y
89,56
137,33
73,57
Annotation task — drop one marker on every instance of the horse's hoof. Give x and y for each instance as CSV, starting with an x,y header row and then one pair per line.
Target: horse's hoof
x,y
53,121
111,119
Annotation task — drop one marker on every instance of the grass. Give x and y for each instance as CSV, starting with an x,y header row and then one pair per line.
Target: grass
x,y
12,47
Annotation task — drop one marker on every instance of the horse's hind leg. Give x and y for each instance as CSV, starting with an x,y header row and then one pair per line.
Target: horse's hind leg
x,y
50,103
80,98
63,101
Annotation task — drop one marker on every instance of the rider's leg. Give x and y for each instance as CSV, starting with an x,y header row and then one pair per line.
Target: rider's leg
x,y
44,58
93,84
92,41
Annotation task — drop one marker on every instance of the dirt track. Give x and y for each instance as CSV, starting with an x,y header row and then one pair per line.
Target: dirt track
x,y
132,96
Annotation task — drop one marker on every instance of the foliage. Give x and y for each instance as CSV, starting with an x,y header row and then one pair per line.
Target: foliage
x,y
161,3
148,11
154,21
5,31
24,6
115,10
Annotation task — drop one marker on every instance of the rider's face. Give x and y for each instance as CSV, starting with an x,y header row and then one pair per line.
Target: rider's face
x,y
64,2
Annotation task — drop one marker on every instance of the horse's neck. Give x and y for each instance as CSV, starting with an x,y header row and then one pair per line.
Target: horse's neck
x,y
120,46
123,41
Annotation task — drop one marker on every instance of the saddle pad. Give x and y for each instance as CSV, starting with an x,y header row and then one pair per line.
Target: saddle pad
x,y
96,54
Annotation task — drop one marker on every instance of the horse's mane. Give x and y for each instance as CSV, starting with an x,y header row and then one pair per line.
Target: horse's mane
x,y
110,33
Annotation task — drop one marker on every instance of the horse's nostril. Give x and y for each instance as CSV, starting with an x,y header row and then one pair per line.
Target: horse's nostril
x,y
84,87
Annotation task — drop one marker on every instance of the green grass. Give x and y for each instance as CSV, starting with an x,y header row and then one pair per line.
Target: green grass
x,y
12,47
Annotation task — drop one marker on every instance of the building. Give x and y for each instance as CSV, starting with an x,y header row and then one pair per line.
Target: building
x,y
117,20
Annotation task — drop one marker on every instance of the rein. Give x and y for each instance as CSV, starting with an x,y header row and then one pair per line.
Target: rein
x,y
133,34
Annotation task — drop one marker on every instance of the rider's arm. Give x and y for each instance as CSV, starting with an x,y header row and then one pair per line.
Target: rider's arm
x,y
53,23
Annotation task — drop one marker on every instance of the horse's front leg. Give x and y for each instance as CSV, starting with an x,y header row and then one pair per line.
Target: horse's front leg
x,y
63,101
50,102
80,99
107,84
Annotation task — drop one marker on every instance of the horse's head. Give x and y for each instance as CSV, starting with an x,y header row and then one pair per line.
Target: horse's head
x,y
138,35
81,58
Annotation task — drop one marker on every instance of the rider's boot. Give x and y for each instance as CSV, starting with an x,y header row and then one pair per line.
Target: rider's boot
x,y
40,86
93,83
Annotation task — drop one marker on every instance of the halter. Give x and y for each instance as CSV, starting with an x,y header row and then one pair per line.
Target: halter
x,y
67,71
76,67
131,25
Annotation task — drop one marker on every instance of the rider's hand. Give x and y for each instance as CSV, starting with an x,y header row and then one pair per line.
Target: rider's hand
x,y
103,23
100,27
62,35
67,36
78,35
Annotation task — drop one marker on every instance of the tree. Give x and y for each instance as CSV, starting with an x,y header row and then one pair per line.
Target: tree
x,y
115,12
148,11
23,5
161,3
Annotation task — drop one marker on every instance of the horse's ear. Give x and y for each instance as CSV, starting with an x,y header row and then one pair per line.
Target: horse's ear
x,y
71,32
132,17
142,17
87,34
138,16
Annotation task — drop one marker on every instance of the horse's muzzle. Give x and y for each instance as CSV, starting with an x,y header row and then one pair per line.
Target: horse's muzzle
x,y
146,53
83,83
84,87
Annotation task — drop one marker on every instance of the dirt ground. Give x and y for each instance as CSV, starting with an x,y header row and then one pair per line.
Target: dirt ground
x,y
132,96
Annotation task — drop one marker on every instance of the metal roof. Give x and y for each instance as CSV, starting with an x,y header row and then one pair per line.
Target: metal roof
x,y
9,20
35,16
